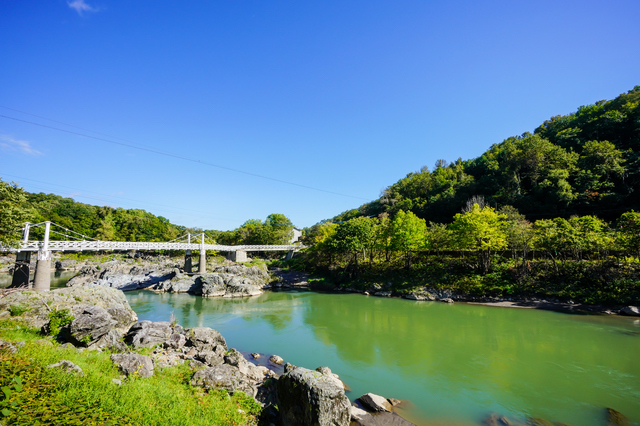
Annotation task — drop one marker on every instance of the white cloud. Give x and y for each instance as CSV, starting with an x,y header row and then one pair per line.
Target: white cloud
x,y
80,6
7,143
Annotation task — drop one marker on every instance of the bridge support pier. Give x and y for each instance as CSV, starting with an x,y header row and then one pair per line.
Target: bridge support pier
x,y
202,267
21,270
238,256
42,280
187,262
289,255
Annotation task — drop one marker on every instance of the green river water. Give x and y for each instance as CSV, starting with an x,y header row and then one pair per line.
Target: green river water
x,y
454,363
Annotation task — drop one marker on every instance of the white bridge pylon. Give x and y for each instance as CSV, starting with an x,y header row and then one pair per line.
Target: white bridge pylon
x,y
79,242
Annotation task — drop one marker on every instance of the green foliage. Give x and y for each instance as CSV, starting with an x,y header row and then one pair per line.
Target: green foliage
x,y
57,320
17,310
13,213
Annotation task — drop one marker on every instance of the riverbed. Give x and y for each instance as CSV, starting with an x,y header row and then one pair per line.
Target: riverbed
x,y
454,363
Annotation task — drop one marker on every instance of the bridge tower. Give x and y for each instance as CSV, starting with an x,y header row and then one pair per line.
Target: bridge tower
x,y
23,260
42,280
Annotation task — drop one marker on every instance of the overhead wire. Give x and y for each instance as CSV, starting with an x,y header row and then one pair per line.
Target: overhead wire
x,y
181,157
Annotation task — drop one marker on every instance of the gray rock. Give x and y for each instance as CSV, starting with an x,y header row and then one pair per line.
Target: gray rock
x,y
90,324
75,299
375,402
630,310
327,372
116,382
307,398
205,339
236,359
66,366
382,419
357,414
382,293
446,300
275,359
225,377
111,341
145,334
134,364
255,355
176,341
419,295
213,357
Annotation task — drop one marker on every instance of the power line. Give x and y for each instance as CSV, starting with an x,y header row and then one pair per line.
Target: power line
x,y
168,154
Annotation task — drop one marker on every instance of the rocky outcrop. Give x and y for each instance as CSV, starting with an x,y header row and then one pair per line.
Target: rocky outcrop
x,y
145,334
74,299
630,310
307,397
123,276
88,326
66,366
375,402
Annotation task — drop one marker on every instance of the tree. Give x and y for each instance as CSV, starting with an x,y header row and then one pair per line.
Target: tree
x,y
352,237
408,234
280,229
629,231
13,212
480,230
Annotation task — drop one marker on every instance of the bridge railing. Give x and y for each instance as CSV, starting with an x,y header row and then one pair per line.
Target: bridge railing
x,y
128,245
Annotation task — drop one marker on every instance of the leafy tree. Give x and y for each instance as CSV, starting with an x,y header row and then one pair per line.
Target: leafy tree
x,y
408,234
13,213
629,232
352,237
480,230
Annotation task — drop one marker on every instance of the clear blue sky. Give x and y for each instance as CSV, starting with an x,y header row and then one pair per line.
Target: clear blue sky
x,y
343,96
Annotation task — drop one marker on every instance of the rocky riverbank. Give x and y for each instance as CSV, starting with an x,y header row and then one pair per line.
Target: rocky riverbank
x,y
99,318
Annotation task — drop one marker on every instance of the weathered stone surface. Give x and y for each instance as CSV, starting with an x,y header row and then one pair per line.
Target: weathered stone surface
x,y
89,325
446,300
276,359
145,334
630,310
223,376
357,414
419,295
375,402
205,339
212,357
382,294
111,341
66,366
382,419
123,276
308,397
327,372
175,341
236,359
616,418
255,355
134,364
179,284
75,299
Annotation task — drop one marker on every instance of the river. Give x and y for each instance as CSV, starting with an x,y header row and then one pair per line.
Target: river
x,y
454,363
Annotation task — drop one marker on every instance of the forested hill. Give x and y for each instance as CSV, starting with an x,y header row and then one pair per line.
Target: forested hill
x,y
585,163
100,222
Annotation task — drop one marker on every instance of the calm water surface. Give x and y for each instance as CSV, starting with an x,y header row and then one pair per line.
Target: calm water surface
x,y
455,363
58,278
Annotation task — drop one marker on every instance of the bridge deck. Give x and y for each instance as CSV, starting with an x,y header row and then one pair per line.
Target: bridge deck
x,y
126,245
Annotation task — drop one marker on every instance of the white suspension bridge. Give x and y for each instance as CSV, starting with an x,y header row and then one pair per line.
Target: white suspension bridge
x,y
74,241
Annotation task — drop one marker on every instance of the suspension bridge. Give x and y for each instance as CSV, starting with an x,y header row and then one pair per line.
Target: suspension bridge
x,y
74,241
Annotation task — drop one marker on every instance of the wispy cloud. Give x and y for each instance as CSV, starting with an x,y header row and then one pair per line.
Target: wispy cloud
x,y
7,143
80,6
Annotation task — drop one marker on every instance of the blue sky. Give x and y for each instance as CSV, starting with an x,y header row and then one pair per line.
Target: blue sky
x,y
341,96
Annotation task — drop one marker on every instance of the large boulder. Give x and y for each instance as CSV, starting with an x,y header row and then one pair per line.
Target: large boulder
x,y
134,364
75,299
226,377
205,339
123,276
307,397
375,402
145,334
89,325
630,310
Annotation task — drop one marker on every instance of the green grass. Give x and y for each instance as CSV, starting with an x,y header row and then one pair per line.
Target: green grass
x,y
55,397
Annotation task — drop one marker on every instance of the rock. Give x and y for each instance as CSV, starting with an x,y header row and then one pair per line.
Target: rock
x,y
145,334
236,359
111,341
225,377
196,365
276,359
116,382
419,295
308,397
382,293
255,355
495,419
616,418
8,347
205,339
165,359
90,324
134,364
66,366
382,419
357,414
176,341
212,358
630,310
446,300
179,284
394,402
66,346
375,402
327,372
233,281
75,299
122,276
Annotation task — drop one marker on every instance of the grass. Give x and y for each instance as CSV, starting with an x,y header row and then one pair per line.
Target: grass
x,y
51,396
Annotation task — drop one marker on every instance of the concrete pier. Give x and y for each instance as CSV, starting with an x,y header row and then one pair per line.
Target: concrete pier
x,y
21,270
187,262
42,280
202,267
238,256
